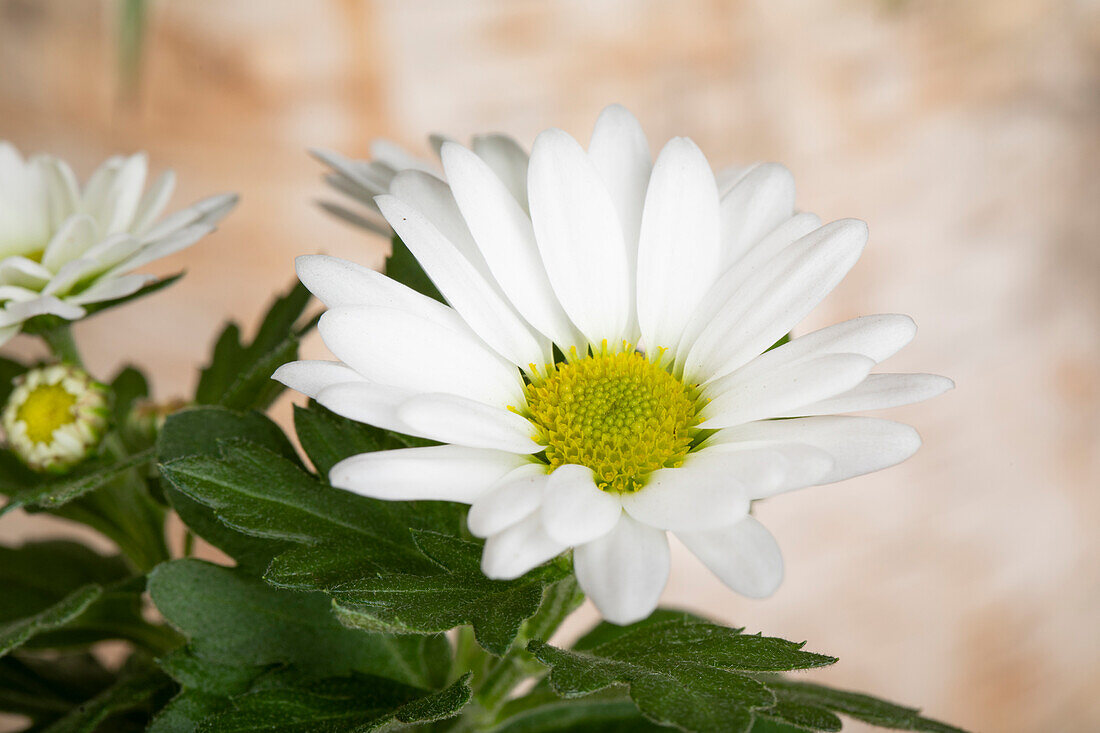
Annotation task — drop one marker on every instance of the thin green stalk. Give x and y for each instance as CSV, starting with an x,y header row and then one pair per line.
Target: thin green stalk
x,y
61,343
558,601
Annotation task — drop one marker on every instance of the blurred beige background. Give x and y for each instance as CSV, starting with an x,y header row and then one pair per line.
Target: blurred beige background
x,y
967,134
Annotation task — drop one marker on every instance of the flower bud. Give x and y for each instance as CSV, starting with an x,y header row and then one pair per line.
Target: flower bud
x,y
55,417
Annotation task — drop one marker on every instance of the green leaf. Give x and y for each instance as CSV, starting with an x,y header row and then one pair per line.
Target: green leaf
x,y
233,619
456,592
41,574
403,267
856,705
135,687
239,376
197,431
45,689
262,494
128,386
328,438
543,711
15,633
186,711
57,492
681,670
354,703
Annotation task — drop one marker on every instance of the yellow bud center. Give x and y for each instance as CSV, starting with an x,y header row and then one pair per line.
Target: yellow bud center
x,y
617,413
46,408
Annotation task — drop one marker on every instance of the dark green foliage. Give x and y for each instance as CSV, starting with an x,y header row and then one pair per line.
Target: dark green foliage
x,y
50,493
818,699
456,592
259,656
197,431
239,376
47,689
62,594
680,670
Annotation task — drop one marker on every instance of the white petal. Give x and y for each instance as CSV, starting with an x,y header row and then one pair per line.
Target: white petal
x,y
99,185
759,202
710,489
113,250
620,152
507,159
16,312
460,420
734,276
878,392
116,213
514,498
177,241
518,549
71,273
405,350
858,445
433,198
208,211
729,176
876,337
374,404
507,242
23,272
625,571
337,283
678,248
478,302
361,175
802,465
153,202
371,224
439,472
111,288
775,298
397,158
578,233
64,191
72,239
776,393
744,556
310,377
574,510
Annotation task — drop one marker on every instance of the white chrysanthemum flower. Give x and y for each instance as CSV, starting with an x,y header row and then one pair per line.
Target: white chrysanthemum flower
x,y
63,247
55,417
663,293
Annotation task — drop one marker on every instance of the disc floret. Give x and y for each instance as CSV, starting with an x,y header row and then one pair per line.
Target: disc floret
x,y
615,411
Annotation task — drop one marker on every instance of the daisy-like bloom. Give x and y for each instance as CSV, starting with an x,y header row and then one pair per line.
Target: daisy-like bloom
x,y
363,180
55,417
63,247
602,373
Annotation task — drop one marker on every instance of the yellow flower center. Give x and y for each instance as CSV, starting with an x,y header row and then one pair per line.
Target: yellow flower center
x,y
618,413
46,408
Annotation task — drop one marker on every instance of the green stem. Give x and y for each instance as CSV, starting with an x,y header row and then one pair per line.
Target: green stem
x,y
558,601
62,344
